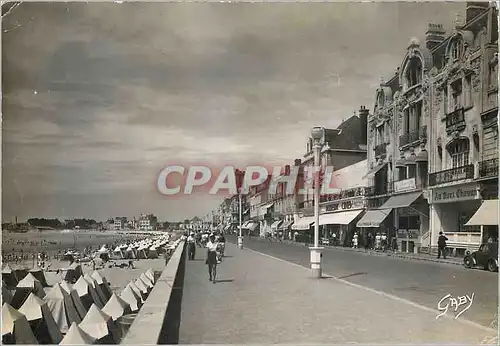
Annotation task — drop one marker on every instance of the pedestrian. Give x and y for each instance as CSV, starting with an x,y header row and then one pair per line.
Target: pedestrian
x,y
222,243
442,245
355,240
212,258
191,246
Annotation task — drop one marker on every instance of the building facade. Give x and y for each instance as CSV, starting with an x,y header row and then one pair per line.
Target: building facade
x,y
147,222
464,121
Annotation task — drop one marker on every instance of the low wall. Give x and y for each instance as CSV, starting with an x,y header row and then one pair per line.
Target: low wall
x,y
158,320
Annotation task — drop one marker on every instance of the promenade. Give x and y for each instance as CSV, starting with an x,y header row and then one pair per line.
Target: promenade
x,y
262,299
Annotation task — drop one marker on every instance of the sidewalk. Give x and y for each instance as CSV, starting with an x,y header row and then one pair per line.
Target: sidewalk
x,y
260,299
404,255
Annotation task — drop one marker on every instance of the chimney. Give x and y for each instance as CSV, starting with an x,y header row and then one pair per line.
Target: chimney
x,y
363,117
298,162
474,9
434,35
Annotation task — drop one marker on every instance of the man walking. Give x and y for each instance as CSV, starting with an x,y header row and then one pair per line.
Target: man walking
x,y
191,246
442,245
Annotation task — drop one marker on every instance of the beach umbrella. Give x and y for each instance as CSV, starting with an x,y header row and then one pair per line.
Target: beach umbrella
x,y
100,326
41,320
87,293
149,284
15,327
76,336
150,274
8,276
38,273
103,284
142,288
132,298
23,289
80,308
62,308
97,288
6,294
116,307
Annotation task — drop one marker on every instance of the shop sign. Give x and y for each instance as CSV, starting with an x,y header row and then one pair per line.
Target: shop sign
x,y
455,193
347,205
405,185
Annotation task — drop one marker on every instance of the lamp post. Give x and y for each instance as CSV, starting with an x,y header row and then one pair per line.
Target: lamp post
x,y
316,134
240,237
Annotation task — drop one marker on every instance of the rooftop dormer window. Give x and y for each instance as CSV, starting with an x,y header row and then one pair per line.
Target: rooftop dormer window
x,y
414,72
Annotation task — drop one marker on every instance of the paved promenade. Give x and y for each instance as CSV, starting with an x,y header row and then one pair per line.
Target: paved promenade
x,y
261,299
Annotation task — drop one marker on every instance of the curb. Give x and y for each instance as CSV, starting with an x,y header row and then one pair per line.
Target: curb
x,y
375,253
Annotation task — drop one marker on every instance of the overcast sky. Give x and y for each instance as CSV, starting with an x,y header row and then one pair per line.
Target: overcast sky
x,y
98,98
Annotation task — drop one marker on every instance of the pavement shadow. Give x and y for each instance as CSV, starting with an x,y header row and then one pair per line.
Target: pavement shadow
x,y
224,280
197,260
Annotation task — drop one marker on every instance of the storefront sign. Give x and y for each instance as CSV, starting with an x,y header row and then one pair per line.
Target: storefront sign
x,y
405,185
347,205
455,193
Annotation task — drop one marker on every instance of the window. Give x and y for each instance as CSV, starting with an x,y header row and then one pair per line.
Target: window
x,y
456,94
412,171
414,72
493,73
380,134
467,91
406,120
457,48
459,153
402,173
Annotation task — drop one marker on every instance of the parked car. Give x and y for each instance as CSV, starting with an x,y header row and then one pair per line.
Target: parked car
x,y
486,257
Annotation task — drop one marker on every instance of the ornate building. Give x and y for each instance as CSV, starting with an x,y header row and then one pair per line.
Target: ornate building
x,y
464,141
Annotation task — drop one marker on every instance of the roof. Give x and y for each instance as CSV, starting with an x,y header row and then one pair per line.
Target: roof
x,y
349,138
76,336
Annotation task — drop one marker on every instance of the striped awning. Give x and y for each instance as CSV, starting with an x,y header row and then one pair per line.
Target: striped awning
x,y
276,224
303,223
285,225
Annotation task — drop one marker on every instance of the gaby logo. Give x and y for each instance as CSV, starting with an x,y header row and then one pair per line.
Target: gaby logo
x,y
177,179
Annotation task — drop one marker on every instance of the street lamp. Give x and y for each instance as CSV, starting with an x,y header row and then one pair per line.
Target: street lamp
x,y
317,135
239,182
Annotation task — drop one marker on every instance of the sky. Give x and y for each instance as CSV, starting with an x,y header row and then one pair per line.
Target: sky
x,y
98,98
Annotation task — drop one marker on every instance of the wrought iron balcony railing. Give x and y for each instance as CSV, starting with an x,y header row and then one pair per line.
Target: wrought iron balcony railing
x,y
455,121
488,168
380,149
413,136
451,175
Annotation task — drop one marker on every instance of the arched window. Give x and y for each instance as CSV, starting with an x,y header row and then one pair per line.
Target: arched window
x,y
459,152
414,72
457,49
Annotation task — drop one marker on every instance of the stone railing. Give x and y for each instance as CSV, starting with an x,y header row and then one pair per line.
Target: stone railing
x,y
158,319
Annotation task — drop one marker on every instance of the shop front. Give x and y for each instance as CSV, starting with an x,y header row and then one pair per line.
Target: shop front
x,y
450,209
338,227
301,230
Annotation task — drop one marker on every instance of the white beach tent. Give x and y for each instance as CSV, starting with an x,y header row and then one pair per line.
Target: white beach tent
x,y
6,294
87,293
151,275
118,251
141,252
133,299
15,327
41,320
38,273
130,253
76,336
8,276
153,252
142,288
116,307
62,308
100,326
80,308
103,284
149,284
23,289
97,288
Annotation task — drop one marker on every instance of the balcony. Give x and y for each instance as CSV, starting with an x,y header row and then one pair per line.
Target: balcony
x,y
413,136
488,168
451,175
380,149
379,189
455,121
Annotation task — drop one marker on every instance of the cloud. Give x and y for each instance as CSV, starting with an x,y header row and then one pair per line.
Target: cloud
x,y
98,98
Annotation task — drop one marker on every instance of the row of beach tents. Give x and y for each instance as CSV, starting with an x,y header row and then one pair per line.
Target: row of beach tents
x,y
87,312
147,248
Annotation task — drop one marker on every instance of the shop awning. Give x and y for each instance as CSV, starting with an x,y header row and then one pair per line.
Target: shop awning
x,y
263,209
276,224
303,223
374,170
341,218
486,215
251,226
373,218
401,201
285,225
